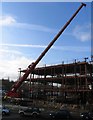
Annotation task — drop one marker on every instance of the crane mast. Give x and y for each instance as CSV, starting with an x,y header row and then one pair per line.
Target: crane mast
x,y
31,67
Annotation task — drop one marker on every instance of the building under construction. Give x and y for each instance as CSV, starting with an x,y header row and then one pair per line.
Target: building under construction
x,y
67,83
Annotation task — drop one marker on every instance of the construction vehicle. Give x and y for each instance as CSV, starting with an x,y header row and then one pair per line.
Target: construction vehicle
x,y
14,90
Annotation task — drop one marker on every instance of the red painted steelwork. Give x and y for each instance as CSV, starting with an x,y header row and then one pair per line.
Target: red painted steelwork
x,y
31,67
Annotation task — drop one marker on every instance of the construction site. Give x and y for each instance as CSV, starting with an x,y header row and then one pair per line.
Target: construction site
x,y
70,83
63,83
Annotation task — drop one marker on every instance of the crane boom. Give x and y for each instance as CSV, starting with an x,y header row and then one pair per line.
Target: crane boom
x,y
32,66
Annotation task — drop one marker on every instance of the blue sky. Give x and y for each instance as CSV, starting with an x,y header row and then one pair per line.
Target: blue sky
x,y
27,28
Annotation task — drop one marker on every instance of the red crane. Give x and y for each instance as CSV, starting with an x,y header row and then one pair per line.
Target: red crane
x,y
31,67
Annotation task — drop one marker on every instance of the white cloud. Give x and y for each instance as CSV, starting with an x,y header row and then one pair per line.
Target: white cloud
x,y
9,68
82,33
10,21
10,61
7,20
64,48
9,51
24,45
73,48
34,27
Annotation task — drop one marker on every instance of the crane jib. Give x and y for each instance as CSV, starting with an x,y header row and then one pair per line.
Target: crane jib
x,y
32,66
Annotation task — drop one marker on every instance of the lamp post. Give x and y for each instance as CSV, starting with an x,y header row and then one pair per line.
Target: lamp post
x,y
19,72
